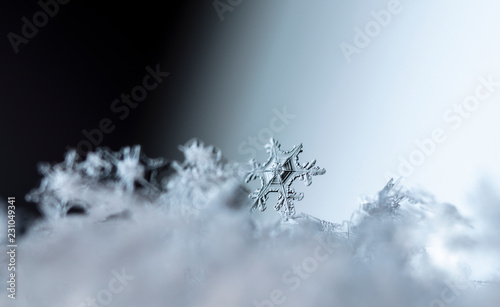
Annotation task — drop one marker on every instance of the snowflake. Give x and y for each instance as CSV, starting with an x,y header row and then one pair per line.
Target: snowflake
x,y
97,179
199,157
387,202
133,167
199,179
278,174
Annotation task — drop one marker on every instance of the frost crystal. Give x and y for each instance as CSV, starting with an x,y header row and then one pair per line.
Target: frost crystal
x,y
98,181
132,168
278,174
191,237
198,180
388,200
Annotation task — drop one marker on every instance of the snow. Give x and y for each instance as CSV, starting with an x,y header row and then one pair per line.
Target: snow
x,y
189,239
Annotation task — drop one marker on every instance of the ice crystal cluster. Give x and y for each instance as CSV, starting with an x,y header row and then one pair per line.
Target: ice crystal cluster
x,y
153,232
102,183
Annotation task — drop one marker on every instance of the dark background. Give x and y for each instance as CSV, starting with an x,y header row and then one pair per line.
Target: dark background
x,y
66,77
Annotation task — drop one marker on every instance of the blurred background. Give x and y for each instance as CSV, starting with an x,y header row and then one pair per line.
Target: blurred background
x,y
359,83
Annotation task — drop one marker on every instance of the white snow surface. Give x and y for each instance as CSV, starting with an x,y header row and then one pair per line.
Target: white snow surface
x,y
190,240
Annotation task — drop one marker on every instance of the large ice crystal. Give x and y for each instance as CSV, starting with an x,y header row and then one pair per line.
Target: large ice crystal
x,y
277,175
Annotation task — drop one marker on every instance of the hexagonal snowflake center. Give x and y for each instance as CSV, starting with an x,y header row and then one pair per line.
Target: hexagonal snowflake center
x,y
282,171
